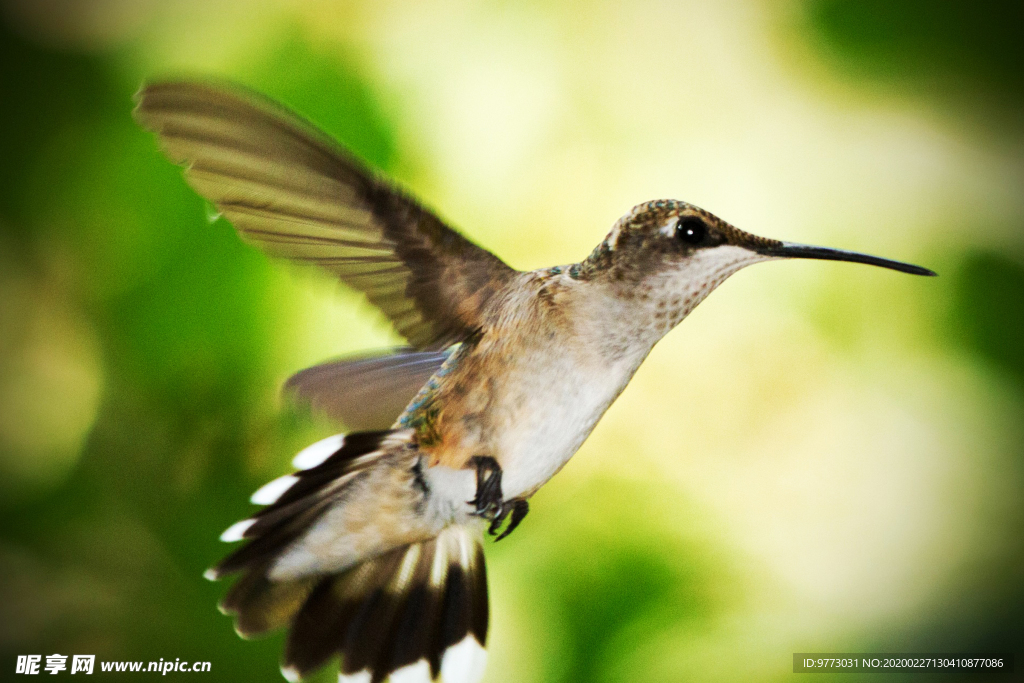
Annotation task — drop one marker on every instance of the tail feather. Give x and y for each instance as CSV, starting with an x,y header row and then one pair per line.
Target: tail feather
x,y
410,614
319,630
268,540
355,452
294,508
261,605
407,611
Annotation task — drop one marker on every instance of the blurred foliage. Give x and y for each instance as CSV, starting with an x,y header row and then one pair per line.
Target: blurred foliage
x,y
990,310
959,51
971,57
968,60
616,588
183,313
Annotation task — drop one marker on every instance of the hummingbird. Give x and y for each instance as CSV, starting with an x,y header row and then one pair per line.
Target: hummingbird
x,y
371,551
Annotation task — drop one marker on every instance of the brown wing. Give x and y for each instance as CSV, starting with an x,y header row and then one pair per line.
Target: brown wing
x,y
367,393
295,193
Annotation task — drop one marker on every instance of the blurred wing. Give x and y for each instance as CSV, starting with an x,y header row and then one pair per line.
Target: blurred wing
x,y
295,193
366,393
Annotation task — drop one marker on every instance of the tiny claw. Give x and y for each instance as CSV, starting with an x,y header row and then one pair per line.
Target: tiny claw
x,y
519,509
488,500
499,518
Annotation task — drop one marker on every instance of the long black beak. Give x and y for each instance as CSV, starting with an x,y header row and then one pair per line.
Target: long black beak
x,y
792,250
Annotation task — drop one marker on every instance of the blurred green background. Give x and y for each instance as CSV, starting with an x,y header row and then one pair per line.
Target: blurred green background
x,y
824,457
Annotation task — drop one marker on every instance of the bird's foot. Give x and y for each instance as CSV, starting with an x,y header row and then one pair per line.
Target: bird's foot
x,y
518,507
489,501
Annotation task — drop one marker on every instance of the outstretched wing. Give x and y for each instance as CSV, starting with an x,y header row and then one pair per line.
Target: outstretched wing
x,y
295,193
369,392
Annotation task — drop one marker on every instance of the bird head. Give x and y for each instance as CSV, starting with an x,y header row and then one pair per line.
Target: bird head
x,y
670,255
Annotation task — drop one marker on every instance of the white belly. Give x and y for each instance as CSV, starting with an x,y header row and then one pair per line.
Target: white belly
x,y
549,415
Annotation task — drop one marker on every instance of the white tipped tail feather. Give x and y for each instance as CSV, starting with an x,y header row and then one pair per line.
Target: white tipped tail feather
x,y
236,532
270,492
347,555
464,661
311,456
418,672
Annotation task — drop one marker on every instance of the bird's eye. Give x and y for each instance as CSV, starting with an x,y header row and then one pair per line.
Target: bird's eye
x,y
691,230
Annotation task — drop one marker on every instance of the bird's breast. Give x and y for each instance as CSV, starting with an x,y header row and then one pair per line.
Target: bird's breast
x,y
532,409
546,418
528,393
